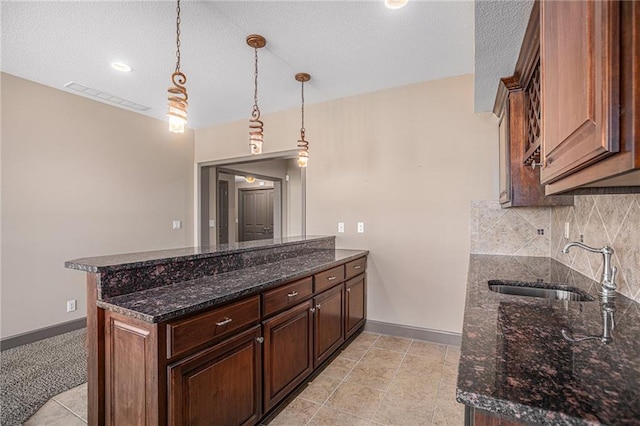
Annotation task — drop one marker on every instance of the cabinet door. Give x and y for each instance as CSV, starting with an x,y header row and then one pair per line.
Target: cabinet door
x,y
288,352
220,385
355,304
329,322
580,84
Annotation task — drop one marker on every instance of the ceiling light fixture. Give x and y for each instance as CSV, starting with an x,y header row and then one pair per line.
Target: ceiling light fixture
x,y
395,4
303,145
178,92
255,125
121,66
250,179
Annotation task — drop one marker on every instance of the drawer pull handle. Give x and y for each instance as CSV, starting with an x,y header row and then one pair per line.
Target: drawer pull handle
x,y
357,267
331,278
224,322
293,294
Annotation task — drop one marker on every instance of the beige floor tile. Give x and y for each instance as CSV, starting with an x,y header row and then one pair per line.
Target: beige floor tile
x,y
427,349
382,357
397,410
75,400
371,375
392,343
410,385
355,351
298,412
339,368
448,411
422,365
329,417
366,338
320,389
355,399
54,414
453,353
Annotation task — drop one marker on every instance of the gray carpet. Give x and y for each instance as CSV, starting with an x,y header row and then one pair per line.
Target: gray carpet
x,y
31,374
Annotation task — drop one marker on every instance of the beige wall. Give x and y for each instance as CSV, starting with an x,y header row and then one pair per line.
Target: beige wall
x,y
407,162
81,178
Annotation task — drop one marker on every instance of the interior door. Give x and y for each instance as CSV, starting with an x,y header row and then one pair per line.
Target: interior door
x,y
256,214
223,212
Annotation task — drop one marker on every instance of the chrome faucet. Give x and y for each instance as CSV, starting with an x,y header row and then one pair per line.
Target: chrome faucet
x,y
608,281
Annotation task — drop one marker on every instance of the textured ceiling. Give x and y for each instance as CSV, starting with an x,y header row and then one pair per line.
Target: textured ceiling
x,y
349,47
499,30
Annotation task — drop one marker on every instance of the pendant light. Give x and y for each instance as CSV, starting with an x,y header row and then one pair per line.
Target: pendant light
x,y
255,125
303,145
178,92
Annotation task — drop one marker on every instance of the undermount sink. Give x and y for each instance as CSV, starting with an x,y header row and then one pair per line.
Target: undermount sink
x,y
540,290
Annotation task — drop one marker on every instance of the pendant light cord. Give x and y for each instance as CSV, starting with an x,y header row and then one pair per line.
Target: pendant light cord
x,y
255,80
302,129
178,20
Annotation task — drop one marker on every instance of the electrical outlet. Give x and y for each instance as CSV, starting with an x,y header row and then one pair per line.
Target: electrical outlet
x,y
71,305
341,227
177,224
212,223
360,227
566,230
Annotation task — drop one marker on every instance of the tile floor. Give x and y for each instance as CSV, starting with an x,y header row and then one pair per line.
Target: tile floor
x,y
376,380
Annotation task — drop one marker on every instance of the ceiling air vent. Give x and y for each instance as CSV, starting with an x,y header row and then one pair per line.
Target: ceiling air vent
x,y
105,96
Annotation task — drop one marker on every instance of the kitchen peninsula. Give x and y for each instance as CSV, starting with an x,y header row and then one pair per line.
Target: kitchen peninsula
x,y
531,360
215,335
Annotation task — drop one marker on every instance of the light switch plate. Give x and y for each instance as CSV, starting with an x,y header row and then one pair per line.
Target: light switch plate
x,y
341,227
360,227
212,223
71,305
177,224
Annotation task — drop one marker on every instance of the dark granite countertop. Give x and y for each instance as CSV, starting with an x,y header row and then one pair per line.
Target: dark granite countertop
x,y
170,301
117,262
515,362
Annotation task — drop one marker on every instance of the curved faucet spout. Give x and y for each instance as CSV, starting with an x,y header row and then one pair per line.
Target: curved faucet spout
x,y
608,271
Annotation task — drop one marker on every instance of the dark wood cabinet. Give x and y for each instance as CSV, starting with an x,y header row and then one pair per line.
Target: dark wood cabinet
x,y
329,323
590,94
226,365
355,305
517,106
288,352
221,385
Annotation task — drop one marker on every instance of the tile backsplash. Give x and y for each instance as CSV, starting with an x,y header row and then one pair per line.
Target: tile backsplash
x,y
599,220
521,231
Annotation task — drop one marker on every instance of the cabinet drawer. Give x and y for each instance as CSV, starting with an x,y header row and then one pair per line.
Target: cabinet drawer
x,y
329,278
189,333
286,296
355,267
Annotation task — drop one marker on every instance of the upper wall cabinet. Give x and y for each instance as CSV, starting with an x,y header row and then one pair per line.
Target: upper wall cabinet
x,y
517,106
590,90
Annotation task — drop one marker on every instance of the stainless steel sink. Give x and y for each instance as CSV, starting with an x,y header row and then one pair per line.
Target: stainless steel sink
x,y
540,290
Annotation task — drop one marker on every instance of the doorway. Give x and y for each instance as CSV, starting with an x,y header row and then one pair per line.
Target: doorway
x,y
255,211
223,212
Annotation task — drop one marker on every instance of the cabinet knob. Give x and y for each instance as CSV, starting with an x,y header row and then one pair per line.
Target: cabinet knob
x,y
318,306
331,278
312,310
224,322
260,339
349,290
292,294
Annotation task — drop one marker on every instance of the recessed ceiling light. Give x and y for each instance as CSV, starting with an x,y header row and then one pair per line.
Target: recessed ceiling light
x,y
120,66
395,4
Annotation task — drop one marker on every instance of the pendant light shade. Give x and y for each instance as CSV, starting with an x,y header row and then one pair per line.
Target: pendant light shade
x,y
178,92
303,144
256,126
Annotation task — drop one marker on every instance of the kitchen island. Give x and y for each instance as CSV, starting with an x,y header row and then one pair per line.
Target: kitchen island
x,y
215,335
517,368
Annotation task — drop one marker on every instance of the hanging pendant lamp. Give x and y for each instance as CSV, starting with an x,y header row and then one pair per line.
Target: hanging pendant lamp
x,y
255,125
303,145
178,92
